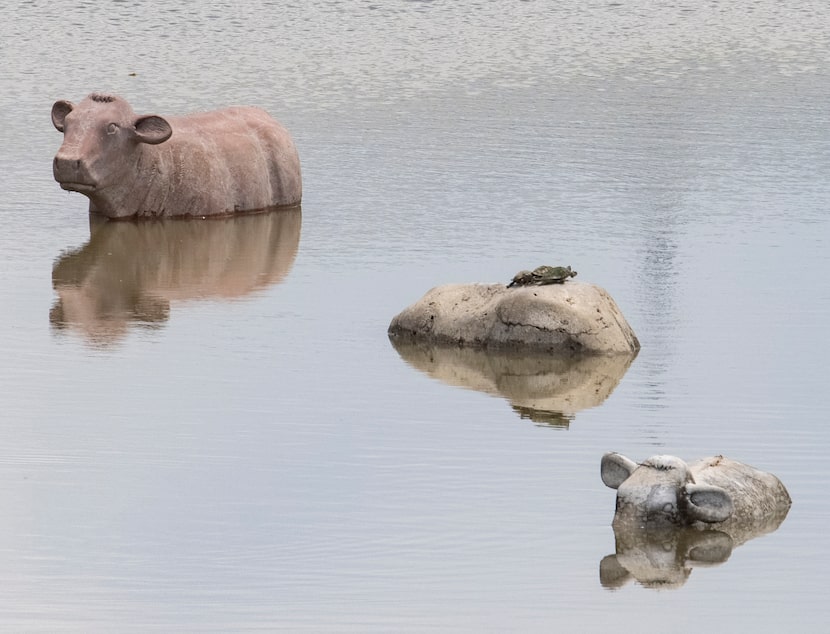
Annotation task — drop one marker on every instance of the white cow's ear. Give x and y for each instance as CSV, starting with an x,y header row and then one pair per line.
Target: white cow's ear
x,y
59,111
152,129
615,469
708,503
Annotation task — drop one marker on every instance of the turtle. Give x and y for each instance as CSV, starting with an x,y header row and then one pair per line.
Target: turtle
x,y
522,278
542,275
552,274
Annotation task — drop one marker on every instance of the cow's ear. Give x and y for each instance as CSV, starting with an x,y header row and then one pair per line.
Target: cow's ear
x,y
59,111
708,503
615,469
152,129
612,574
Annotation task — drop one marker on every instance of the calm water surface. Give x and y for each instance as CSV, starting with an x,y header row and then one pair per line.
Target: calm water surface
x,y
204,425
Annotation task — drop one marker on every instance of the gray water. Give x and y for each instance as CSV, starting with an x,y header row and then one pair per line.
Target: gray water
x,y
204,426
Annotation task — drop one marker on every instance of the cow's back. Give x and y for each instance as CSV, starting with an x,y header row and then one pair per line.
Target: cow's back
x,y
239,159
755,493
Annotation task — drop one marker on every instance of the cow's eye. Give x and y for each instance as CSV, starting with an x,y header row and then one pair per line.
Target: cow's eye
x,y
112,128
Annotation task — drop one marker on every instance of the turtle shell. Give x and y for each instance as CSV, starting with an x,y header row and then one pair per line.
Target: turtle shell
x,y
552,274
542,275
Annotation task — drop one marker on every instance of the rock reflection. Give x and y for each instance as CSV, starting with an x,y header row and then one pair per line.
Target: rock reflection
x,y
546,389
664,559
128,272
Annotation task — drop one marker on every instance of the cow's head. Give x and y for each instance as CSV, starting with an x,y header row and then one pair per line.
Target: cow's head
x,y
100,136
662,490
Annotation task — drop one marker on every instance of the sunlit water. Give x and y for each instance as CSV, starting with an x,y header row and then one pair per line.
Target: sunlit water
x,y
221,437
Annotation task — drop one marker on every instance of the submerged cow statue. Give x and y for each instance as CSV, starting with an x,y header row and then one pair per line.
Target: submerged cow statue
x,y
212,163
716,491
664,490
672,516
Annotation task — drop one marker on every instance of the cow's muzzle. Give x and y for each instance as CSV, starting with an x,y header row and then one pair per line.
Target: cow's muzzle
x,y
72,174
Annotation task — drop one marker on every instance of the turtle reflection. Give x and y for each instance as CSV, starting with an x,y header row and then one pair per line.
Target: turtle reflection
x,y
544,418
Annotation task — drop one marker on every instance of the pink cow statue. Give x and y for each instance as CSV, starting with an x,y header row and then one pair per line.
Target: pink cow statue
x,y
215,163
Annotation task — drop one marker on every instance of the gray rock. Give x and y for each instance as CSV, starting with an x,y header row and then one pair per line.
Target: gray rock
x,y
563,318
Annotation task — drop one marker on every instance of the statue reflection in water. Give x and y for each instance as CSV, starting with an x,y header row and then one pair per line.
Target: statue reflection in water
x,y
128,273
664,559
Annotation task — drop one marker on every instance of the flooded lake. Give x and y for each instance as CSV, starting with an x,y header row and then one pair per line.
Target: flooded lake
x,y
205,426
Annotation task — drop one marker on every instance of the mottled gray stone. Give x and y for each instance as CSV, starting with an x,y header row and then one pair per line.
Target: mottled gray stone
x,y
563,318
